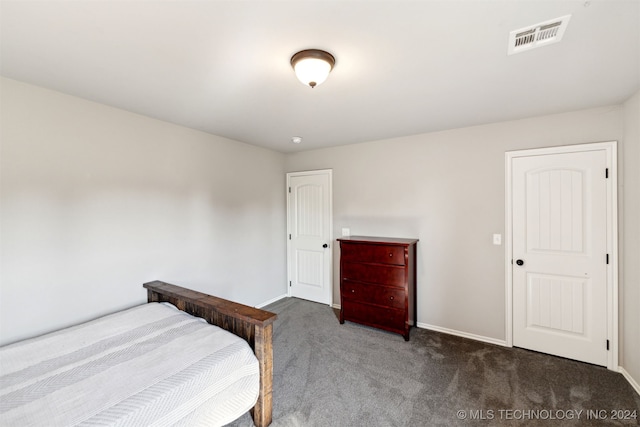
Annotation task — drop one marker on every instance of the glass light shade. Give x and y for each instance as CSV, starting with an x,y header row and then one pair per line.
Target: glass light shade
x,y
312,71
312,67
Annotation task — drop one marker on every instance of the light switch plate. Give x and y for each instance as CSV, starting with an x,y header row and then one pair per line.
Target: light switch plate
x,y
497,239
346,232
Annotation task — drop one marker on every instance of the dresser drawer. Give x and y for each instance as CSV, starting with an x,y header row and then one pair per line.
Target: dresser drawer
x,y
386,275
380,254
387,318
374,294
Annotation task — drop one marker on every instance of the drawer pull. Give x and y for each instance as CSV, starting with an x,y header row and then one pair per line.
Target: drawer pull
x,y
390,254
353,290
390,297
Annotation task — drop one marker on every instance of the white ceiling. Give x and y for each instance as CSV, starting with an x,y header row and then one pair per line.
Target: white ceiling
x,y
402,67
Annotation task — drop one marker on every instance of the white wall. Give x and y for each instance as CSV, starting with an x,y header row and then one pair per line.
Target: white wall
x,y
95,201
630,244
447,189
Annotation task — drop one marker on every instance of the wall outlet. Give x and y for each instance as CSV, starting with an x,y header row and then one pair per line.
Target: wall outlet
x,y
346,232
497,239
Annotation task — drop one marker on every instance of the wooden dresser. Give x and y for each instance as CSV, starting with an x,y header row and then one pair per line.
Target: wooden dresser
x,y
378,282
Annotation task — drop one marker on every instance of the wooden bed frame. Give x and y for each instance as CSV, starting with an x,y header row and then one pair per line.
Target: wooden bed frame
x,y
251,324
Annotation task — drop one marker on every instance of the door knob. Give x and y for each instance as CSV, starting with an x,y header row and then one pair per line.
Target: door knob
x,y
325,246
520,262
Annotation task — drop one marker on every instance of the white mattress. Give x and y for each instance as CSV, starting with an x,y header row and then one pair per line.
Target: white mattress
x,y
151,365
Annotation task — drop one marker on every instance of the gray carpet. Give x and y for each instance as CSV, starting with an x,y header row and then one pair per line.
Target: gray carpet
x,y
327,374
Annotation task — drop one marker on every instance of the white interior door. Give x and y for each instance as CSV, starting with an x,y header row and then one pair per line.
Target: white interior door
x,y
309,228
560,258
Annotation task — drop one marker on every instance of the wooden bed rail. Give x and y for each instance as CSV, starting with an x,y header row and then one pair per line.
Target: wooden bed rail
x,y
251,324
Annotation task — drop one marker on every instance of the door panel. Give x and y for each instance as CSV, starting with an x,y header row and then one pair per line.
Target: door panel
x,y
308,197
557,303
309,265
555,200
560,235
309,231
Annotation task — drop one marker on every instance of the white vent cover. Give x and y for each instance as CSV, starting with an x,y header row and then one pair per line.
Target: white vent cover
x,y
542,34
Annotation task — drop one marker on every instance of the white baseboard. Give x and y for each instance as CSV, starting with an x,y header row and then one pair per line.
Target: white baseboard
x,y
630,379
271,301
337,306
502,343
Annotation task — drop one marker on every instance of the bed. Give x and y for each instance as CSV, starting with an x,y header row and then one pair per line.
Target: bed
x,y
161,363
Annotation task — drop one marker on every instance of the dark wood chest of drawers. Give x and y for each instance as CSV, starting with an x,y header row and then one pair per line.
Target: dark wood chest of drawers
x,y
378,282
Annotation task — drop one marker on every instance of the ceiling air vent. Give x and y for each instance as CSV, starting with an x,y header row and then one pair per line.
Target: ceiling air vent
x,y
542,34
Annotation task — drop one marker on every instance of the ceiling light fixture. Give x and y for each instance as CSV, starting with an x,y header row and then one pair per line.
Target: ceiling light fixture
x,y
296,139
312,66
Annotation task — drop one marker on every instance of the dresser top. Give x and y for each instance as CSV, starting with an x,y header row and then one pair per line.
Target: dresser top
x,y
386,240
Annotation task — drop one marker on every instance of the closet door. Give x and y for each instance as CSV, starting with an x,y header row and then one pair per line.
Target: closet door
x,y
309,236
559,252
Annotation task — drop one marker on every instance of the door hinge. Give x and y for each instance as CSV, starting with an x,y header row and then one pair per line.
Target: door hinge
x,y
607,344
607,258
289,189
289,236
289,283
606,173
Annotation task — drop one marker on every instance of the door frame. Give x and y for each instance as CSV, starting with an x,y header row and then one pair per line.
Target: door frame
x,y
328,172
610,148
